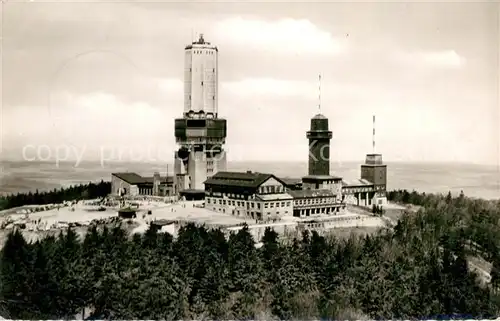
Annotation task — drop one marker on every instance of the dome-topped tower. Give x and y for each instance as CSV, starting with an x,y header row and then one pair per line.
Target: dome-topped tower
x,y
319,146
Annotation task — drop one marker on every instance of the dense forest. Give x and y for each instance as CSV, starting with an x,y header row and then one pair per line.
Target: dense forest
x,y
78,192
416,270
479,219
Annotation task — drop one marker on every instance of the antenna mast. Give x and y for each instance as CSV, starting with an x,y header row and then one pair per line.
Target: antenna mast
x,y
319,95
373,138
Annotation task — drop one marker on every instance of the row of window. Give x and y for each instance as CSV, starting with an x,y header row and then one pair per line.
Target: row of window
x,y
309,201
213,97
248,204
252,214
196,70
218,194
360,190
232,203
200,52
271,204
321,210
145,191
193,139
276,189
315,201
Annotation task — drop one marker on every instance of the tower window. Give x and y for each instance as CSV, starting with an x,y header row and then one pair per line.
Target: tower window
x,y
202,83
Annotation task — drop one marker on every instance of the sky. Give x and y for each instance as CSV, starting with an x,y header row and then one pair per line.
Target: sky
x,y
92,78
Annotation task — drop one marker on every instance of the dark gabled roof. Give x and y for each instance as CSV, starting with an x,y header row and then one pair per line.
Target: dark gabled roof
x,y
131,178
291,181
136,179
240,179
321,178
311,193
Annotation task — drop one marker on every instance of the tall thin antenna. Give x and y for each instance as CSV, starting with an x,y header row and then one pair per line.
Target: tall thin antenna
x,y
319,95
373,139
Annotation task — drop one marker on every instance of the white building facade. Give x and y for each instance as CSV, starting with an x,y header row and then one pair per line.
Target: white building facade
x,y
254,195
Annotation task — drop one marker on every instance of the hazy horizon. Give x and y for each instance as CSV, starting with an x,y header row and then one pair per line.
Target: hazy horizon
x,y
252,161
94,74
475,180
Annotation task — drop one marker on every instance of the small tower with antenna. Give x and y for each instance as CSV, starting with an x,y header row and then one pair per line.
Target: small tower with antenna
x,y
375,171
319,142
319,177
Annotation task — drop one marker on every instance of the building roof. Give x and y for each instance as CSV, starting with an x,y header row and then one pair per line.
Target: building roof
x,y
192,191
131,178
356,183
291,181
306,193
319,116
136,179
240,179
321,178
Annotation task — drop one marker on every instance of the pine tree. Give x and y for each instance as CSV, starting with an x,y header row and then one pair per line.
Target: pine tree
x,y
495,273
17,276
245,273
269,249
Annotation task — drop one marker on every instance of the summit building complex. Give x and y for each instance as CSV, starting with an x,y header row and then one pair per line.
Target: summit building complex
x,y
200,165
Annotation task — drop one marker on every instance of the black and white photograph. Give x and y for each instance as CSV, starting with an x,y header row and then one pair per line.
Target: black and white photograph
x,y
249,160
